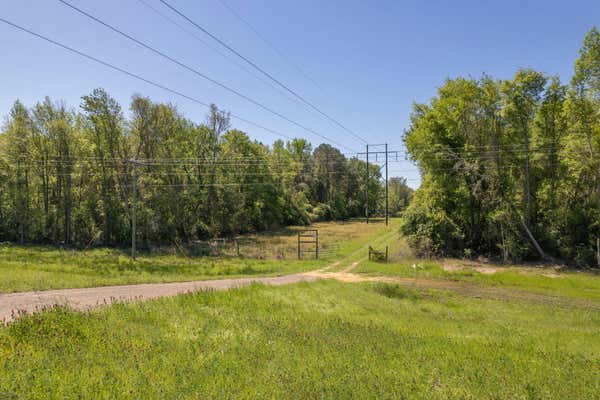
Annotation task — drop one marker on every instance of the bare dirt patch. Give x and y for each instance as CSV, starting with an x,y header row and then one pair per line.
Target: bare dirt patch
x,y
453,266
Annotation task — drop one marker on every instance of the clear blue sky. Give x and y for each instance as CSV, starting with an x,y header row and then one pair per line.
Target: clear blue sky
x,y
372,59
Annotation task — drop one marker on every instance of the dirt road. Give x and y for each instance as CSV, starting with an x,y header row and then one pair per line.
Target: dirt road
x,y
11,305
85,298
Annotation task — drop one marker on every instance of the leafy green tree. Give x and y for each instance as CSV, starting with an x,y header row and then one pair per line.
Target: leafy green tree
x,y
68,176
104,131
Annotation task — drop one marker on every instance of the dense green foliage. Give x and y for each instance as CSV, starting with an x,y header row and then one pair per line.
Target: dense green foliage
x,y
314,340
68,176
511,168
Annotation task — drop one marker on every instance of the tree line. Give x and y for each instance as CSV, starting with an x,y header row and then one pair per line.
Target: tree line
x,y
68,176
510,168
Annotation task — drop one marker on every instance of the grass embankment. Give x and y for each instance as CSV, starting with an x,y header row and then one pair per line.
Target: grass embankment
x,y
548,280
24,268
315,340
585,285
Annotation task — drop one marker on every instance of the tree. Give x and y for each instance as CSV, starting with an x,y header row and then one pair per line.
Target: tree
x,y
104,132
522,95
67,176
18,132
582,108
510,168
400,195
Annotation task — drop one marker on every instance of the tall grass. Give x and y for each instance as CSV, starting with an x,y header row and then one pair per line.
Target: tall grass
x,y
314,340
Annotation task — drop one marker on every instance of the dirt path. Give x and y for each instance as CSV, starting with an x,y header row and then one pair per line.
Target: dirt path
x,y
13,304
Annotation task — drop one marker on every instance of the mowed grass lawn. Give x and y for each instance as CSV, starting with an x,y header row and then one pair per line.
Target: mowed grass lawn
x,y
324,339
24,268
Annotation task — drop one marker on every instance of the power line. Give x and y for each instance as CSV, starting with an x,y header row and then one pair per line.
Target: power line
x,y
258,68
268,43
200,74
254,161
138,77
216,50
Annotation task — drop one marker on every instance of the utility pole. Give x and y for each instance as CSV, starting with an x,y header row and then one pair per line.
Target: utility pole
x,y
133,235
386,188
367,188
367,176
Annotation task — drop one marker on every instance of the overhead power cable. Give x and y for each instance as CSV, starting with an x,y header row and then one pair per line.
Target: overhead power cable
x,y
200,74
269,44
216,50
261,70
136,76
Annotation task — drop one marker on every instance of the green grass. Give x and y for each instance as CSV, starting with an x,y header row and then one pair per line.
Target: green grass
x,y
538,279
24,268
585,285
323,339
314,340
38,268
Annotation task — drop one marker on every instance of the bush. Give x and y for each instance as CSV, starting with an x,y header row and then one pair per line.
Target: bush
x,y
430,231
321,212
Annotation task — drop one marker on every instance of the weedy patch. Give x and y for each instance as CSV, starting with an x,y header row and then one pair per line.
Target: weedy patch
x,y
51,325
394,291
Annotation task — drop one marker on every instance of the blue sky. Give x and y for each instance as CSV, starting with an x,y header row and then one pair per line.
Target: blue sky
x,y
371,59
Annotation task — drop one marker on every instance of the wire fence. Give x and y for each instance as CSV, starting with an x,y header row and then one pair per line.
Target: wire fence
x,y
254,247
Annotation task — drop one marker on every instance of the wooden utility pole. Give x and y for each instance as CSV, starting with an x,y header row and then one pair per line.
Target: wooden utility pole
x,y
368,175
386,187
367,187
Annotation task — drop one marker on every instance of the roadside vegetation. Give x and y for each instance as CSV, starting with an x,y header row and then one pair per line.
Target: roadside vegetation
x,y
24,268
311,340
550,279
510,168
67,177
542,279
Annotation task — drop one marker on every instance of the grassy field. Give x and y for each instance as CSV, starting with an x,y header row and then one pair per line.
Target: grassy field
x,y
314,340
499,333
585,285
550,280
39,268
